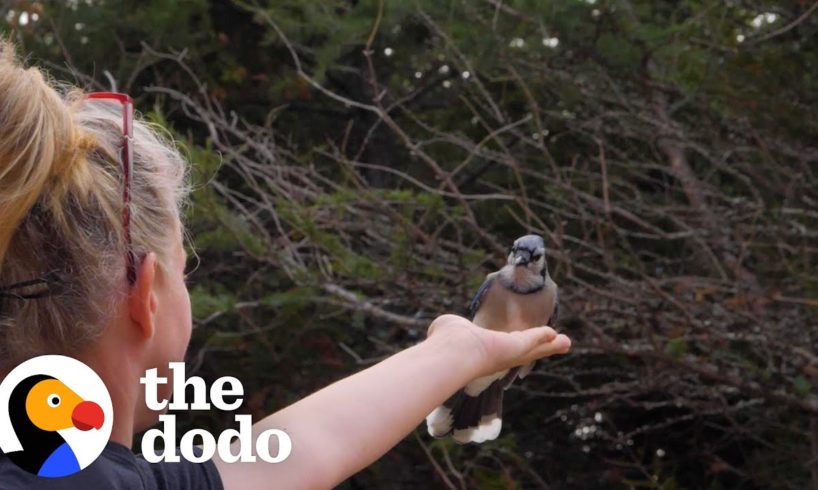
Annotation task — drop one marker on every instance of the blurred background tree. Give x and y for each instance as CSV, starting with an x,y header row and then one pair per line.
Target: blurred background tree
x,y
359,167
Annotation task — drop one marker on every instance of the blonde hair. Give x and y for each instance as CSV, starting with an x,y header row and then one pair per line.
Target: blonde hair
x,y
61,209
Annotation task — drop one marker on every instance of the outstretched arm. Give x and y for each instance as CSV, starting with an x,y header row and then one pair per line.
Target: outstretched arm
x,y
346,426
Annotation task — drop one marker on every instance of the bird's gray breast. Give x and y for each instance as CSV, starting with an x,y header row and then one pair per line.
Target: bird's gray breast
x,y
503,309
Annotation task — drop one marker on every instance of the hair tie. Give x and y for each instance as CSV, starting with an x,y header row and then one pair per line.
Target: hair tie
x,y
85,142
80,145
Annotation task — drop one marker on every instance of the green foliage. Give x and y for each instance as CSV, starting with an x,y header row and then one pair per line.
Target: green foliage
x,y
676,348
802,386
206,303
519,105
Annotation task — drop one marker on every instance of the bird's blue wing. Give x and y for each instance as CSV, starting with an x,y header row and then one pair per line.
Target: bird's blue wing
x,y
478,298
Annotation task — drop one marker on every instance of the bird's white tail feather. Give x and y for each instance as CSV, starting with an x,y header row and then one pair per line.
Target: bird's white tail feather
x,y
471,418
477,386
488,430
439,422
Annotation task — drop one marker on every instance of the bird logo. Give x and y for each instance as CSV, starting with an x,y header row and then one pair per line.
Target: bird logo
x,y
521,295
57,417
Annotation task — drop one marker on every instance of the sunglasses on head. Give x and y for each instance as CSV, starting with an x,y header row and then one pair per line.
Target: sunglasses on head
x,y
126,157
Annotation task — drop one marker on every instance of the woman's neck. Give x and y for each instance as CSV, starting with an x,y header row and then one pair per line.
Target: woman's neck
x,y
121,377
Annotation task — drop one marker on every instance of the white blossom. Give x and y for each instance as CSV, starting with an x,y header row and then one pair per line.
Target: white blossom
x,y
550,42
763,18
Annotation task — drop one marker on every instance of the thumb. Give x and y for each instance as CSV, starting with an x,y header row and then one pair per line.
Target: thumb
x,y
560,344
528,340
537,335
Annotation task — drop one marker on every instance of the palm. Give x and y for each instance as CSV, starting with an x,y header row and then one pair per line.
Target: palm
x,y
502,350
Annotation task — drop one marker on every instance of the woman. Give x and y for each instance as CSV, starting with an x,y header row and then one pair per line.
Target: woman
x,y
81,278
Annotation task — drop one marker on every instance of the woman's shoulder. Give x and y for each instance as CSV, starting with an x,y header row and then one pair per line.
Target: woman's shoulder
x,y
117,468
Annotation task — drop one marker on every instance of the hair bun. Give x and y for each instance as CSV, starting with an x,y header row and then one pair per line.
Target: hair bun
x,y
36,139
85,142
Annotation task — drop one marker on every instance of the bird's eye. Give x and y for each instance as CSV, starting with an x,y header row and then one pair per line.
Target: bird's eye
x,y
53,400
536,256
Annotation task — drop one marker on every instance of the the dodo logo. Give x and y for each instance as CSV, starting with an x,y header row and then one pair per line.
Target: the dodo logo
x,y
55,416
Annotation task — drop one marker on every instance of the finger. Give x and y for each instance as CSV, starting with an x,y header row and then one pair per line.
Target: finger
x,y
561,344
549,334
532,338
538,335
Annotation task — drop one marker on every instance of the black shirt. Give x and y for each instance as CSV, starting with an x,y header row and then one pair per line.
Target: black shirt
x,y
117,468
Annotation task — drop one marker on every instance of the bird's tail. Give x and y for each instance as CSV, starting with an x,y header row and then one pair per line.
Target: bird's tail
x,y
471,418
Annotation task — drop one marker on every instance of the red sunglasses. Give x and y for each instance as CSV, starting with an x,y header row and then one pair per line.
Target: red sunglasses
x,y
126,155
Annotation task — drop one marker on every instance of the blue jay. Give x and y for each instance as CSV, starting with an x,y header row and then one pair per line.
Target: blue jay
x,y
521,295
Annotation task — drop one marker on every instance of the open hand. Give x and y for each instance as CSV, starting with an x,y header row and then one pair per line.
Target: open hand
x,y
499,350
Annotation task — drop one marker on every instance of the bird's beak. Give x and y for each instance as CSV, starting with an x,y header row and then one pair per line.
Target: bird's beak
x,y
87,416
521,258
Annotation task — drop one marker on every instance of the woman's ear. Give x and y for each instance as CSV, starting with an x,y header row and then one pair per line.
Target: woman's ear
x,y
142,298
